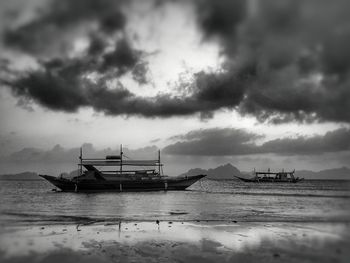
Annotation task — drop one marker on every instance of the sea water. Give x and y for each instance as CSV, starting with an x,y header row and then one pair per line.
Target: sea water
x,y
34,202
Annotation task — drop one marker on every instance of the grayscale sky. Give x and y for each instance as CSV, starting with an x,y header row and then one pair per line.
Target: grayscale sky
x,y
257,83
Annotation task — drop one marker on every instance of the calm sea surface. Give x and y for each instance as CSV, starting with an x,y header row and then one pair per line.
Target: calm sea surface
x,y
33,202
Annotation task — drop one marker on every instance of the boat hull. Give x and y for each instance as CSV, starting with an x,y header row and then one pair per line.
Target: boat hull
x,y
152,184
269,180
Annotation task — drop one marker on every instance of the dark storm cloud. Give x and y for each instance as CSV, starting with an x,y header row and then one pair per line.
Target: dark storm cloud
x,y
56,22
97,45
213,142
62,85
285,60
55,27
123,57
220,17
112,21
57,86
280,47
333,141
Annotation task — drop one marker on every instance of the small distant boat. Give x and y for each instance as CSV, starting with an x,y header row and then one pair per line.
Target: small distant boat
x,y
272,177
120,179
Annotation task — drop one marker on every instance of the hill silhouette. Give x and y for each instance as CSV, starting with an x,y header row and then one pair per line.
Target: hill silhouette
x,y
223,172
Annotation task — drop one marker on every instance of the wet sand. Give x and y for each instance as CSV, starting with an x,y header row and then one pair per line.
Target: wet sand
x,y
177,242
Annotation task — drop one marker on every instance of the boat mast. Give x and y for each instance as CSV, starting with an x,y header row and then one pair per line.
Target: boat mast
x,y
159,162
81,161
121,159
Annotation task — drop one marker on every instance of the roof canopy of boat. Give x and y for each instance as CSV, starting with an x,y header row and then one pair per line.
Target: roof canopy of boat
x,y
118,162
274,173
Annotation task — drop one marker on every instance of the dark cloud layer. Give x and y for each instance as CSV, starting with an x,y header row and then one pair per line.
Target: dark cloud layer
x,y
62,86
220,17
56,23
49,37
285,60
223,142
277,50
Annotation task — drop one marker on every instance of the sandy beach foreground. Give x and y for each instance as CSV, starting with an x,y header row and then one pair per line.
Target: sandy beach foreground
x,y
177,242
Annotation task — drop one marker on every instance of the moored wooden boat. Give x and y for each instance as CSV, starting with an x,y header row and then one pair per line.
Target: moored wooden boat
x,y
119,180
272,177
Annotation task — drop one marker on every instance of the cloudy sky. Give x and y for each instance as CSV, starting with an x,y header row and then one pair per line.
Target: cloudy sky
x,y
257,83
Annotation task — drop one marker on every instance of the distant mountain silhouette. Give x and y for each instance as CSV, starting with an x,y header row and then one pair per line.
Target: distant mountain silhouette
x,y
20,176
227,171
33,176
337,173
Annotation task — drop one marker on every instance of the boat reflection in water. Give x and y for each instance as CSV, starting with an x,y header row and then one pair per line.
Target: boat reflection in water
x,y
271,177
119,179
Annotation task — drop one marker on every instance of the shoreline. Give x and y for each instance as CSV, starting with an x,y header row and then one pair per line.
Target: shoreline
x,y
174,241
85,221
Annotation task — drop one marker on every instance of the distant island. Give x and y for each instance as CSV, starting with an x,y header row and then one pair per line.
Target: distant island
x,y
342,173
228,171
20,176
222,172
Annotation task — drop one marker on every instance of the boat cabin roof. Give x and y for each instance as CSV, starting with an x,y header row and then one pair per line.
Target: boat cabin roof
x,y
116,162
274,173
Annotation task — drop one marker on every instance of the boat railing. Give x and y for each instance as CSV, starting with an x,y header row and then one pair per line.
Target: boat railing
x,y
273,173
129,171
118,162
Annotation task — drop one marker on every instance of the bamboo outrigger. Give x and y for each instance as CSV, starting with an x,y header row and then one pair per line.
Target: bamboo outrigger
x,y
93,179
